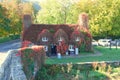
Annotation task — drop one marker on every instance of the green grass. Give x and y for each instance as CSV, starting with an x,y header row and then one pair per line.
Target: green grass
x,y
107,55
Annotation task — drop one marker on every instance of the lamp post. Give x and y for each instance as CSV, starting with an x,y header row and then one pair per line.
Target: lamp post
x,y
110,44
116,44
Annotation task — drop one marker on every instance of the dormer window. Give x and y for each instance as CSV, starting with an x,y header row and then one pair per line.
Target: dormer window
x,y
44,39
78,39
60,39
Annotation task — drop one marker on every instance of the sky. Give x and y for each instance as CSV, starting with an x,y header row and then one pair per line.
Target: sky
x,y
43,0
35,0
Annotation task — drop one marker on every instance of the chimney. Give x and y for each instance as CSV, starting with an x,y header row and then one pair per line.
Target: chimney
x,y
27,21
83,20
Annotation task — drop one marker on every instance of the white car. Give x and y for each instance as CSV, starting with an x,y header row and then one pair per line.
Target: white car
x,y
94,43
104,42
118,43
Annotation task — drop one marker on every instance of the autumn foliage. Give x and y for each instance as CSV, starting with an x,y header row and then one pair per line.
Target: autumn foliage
x,y
62,48
32,58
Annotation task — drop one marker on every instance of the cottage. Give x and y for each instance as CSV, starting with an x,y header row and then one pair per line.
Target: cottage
x,y
58,37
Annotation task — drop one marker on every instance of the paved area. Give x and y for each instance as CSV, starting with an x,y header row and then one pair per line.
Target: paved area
x,y
11,67
15,44
5,47
96,53
2,58
118,47
10,64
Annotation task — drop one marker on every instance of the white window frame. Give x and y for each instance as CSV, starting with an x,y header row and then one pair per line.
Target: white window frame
x,y
60,39
71,47
46,48
77,39
44,39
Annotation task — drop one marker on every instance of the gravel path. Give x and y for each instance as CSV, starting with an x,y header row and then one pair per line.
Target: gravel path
x,y
2,58
96,53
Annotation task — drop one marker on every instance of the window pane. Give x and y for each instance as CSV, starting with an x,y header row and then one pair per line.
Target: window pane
x,y
44,39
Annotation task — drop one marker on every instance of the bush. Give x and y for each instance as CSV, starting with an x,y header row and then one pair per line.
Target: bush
x,y
4,39
17,36
48,72
28,62
82,47
9,38
32,58
60,72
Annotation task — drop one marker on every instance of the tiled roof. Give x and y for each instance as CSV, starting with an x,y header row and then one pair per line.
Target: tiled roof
x,y
32,32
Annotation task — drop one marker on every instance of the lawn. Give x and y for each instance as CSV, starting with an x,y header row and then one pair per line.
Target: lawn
x,y
106,55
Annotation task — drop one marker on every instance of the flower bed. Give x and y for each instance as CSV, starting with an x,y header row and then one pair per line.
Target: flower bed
x,y
86,71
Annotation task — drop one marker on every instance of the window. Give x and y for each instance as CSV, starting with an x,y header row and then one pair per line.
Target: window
x,y
44,39
60,39
71,47
78,39
45,48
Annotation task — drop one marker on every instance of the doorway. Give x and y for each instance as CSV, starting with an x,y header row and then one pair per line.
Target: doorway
x,y
53,49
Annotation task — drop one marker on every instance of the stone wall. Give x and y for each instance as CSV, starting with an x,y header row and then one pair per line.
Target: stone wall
x,y
88,65
11,68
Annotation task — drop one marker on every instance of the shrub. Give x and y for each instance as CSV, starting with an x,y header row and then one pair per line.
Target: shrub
x,y
82,47
9,38
4,39
48,72
32,58
28,62
60,72
12,36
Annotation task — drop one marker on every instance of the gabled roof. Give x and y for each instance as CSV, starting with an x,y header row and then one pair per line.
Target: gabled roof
x,y
61,33
32,32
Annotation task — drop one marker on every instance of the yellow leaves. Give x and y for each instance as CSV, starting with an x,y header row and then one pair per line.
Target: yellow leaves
x,y
26,8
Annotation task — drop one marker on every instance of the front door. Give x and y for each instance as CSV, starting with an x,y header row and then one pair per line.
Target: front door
x,y
53,49
71,50
45,48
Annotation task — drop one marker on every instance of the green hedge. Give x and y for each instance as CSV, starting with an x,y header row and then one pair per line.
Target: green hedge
x,y
4,39
9,38
13,37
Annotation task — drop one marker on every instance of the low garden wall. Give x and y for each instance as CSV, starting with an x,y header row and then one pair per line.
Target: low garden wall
x,y
79,71
22,64
12,68
87,65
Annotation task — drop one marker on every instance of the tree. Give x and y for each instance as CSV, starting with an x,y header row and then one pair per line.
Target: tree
x,y
56,12
103,16
15,20
15,9
104,23
115,19
4,22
